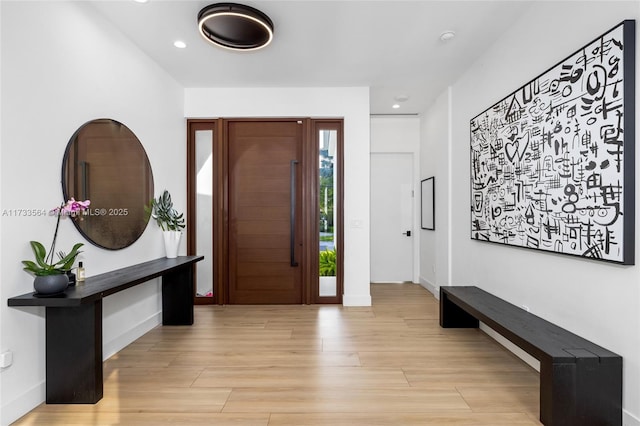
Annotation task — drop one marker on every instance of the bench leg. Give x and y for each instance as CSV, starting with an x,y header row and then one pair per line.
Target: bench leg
x,y
585,393
177,297
74,354
453,316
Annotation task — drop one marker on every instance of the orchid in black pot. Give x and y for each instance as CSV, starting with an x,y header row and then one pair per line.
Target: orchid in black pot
x,y
43,265
50,273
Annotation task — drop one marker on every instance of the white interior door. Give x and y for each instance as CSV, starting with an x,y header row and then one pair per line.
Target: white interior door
x,y
392,231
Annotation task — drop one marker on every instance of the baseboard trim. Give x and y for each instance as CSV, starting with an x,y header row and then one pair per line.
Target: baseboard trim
x,y
533,363
23,403
356,300
113,346
629,419
432,288
33,397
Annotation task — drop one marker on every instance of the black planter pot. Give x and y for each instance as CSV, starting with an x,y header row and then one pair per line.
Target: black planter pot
x,y
51,284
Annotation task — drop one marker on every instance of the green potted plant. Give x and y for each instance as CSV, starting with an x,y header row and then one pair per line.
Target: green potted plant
x,y
327,268
43,266
169,220
328,263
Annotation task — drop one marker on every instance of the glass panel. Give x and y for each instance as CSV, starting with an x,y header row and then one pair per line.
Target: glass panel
x,y
327,200
204,212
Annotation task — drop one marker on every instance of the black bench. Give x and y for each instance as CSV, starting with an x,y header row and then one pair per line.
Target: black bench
x,y
580,382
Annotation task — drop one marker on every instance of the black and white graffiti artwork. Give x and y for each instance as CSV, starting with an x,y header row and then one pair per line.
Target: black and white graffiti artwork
x,y
552,164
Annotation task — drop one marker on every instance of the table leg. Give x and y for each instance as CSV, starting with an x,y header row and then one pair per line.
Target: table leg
x,y
177,297
74,354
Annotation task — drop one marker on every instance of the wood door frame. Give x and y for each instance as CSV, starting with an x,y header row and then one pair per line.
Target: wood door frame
x,y
317,125
310,215
220,264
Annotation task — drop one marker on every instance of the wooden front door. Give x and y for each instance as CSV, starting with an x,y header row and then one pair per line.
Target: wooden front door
x,y
265,168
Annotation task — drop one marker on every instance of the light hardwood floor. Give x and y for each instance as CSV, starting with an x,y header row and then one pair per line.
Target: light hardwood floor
x,y
389,364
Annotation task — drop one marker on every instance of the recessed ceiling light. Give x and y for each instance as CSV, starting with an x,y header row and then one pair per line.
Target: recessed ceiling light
x,y
180,44
235,26
395,106
401,98
447,35
141,1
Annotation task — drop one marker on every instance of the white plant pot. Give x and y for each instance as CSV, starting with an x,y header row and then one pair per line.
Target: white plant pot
x,y
328,286
171,243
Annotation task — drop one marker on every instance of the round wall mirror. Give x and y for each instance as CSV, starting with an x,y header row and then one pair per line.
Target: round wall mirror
x,y
105,162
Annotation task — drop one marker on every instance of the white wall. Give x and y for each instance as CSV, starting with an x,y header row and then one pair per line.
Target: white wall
x,y
597,300
350,103
63,65
435,160
2,297
401,134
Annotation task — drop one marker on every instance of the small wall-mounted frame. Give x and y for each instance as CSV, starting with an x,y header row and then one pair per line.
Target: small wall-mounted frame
x,y
428,205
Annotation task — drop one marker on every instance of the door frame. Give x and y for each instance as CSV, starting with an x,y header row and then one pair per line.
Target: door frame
x,y
220,255
310,214
317,125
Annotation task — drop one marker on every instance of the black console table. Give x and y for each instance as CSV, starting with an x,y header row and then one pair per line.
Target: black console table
x,y
74,323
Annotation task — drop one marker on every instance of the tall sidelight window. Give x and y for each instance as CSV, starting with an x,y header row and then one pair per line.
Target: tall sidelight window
x,y
328,135
204,211
328,223
201,220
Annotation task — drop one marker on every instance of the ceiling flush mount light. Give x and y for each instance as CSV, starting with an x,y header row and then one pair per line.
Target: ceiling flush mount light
x,y
180,44
399,99
235,26
447,35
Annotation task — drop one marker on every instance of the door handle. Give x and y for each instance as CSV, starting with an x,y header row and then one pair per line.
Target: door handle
x,y
408,233
292,214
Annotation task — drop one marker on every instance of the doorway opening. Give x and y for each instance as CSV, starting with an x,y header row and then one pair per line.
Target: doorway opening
x,y
265,210
392,208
